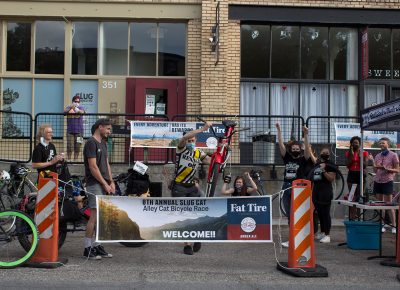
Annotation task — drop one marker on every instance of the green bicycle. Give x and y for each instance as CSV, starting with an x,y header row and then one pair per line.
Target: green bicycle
x,y
12,254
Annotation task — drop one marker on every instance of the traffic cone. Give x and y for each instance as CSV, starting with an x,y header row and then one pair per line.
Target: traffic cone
x,y
301,254
46,219
395,262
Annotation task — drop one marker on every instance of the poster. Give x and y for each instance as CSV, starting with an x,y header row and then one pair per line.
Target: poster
x,y
160,109
150,104
17,97
161,134
124,219
345,131
87,92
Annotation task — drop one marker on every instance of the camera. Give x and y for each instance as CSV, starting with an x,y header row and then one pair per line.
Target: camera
x,y
255,174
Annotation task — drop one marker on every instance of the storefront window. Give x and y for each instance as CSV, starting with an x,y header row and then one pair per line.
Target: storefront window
x,y
49,47
314,52
313,100
114,48
255,50
171,49
143,49
374,95
84,48
379,48
343,100
396,53
18,46
285,52
343,52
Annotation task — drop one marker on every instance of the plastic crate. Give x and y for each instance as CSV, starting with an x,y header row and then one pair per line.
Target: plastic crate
x,y
362,235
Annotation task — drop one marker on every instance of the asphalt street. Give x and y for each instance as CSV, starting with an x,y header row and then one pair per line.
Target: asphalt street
x,y
216,266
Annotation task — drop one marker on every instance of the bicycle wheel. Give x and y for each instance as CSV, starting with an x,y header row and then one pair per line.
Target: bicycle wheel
x,y
11,254
212,182
7,203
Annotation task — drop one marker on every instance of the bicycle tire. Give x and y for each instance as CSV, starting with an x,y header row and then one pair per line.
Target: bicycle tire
x,y
212,184
22,256
7,204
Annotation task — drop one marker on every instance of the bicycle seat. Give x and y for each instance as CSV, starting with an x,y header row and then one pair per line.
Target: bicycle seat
x,y
229,123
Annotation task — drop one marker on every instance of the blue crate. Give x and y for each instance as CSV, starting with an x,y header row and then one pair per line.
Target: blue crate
x,y
362,235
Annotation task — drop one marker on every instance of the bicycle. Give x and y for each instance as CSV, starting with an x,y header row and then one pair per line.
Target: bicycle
x,y
221,155
11,255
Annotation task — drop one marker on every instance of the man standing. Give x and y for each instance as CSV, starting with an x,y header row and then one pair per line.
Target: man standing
x,y
386,165
98,182
44,155
187,159
74,127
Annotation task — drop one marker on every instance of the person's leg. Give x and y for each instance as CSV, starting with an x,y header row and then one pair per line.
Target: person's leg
x,y
70,145
77,147
321,219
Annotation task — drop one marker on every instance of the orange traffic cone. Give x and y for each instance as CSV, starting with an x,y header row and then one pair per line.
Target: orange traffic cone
x,y
301,260
46,219
395,262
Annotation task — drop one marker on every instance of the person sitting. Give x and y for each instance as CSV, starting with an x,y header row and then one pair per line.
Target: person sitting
x,y
240,188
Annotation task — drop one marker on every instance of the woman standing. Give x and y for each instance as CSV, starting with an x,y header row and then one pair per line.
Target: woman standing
x,y
322,176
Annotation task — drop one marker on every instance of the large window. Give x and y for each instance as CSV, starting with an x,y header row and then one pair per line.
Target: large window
x,y
84,48
171,49
379,49
49,47
114,48
255,48
143,49
18,46
314,52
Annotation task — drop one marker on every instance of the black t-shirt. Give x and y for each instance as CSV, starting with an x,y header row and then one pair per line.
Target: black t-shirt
x,y
94,149
322,187
294,167
44,154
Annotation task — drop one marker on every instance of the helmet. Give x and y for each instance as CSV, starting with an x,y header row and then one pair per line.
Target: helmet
x,y
20,171
4,177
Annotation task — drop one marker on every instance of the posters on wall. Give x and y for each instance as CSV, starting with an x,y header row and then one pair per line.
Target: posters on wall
x,y
150,104
126,219
17,97
161,134
88,94
345,131
49,98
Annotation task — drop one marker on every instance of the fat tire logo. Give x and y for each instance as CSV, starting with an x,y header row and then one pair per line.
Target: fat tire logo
x,y
248,225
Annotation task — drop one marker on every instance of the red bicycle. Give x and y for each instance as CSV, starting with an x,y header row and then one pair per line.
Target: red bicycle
x,y
220,157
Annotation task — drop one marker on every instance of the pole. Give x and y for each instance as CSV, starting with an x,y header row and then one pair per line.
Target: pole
x,y
362,164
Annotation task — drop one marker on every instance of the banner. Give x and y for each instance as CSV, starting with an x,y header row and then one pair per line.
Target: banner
x,y
128,219
161,134
345,131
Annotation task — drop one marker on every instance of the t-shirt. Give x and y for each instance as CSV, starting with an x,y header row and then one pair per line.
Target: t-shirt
x,y
294,167
186,164
94,149
391,160
322,187
355,162
75,122
43,153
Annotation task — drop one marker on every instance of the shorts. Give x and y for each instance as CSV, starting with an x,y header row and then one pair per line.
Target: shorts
x,y
72,142
93,190
179,190
353,177
383,188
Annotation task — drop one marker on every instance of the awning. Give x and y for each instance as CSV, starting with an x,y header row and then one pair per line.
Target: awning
x,y
382,117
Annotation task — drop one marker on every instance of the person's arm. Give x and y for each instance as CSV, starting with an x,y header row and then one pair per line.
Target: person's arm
x,y
282,147
67,109
39,165
112,184
330,176
225,190
375,164
253,187
395,168
81,110
95,171
306,144
191,134
365,162
349,158
313,157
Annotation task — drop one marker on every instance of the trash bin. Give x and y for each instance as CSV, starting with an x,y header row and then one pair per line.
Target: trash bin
x,y
264,148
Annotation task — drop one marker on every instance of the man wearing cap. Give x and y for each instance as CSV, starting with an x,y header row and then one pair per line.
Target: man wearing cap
x,y
74,113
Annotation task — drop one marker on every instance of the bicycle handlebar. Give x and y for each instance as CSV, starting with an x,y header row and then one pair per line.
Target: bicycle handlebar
x,y
223,137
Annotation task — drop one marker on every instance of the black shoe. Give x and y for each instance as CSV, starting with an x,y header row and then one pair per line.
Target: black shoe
x,y
101,252
196,247
91,254
188,250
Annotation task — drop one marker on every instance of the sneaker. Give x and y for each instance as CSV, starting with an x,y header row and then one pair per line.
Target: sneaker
x,y
188,250
196,247
285,244
319,236
383,229
325,240
394,231
102,252
91,254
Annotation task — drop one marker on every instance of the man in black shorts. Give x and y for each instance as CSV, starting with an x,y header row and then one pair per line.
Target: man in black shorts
x,y
98,182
